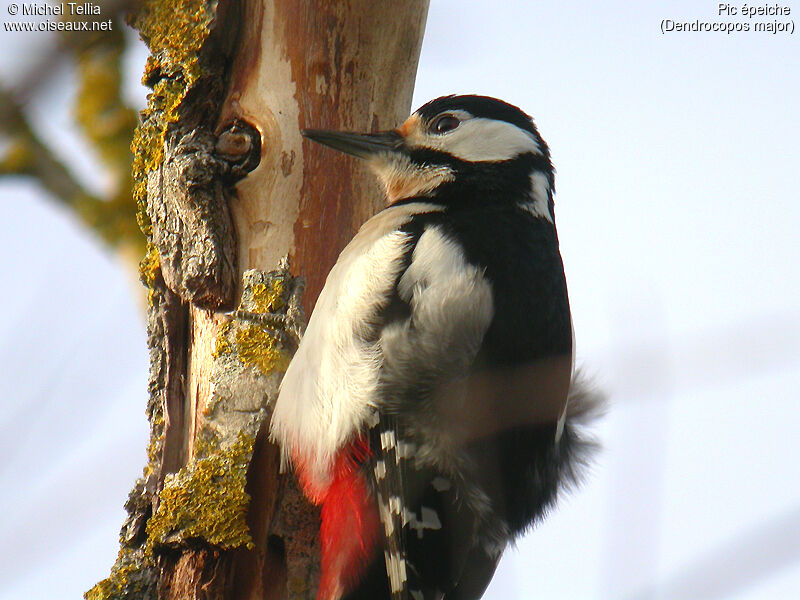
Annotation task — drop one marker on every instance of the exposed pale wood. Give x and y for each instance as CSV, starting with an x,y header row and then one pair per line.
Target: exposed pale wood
x,y
346,65
332,64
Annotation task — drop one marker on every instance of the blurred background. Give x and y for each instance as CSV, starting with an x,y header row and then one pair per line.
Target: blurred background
x,y
678,212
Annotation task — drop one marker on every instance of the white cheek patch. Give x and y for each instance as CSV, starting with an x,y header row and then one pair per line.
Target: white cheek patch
x,y
403,179
479,140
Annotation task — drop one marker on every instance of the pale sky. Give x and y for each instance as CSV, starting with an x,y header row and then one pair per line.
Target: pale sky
x,y
678,213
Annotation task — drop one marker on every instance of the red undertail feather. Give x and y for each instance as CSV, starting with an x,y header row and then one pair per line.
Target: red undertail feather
x,y
350,528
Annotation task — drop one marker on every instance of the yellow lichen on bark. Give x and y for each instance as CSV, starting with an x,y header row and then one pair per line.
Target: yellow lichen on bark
x,y
175,32
253,344
149,270
206,500
124,580
222,345
261,348
268,298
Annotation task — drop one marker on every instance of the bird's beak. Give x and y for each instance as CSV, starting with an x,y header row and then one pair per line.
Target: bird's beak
x,y
362,145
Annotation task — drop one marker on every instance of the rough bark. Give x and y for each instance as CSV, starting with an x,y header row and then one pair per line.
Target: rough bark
x,y
234,83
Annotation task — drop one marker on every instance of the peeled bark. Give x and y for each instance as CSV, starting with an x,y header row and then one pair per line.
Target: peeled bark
x,y
212,516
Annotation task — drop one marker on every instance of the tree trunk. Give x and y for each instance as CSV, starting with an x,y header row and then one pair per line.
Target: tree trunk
x,y
233,85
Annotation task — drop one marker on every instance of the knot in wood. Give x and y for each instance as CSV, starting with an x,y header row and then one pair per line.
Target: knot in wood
x,y
239,145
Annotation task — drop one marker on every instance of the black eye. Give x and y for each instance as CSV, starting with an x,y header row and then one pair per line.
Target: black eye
x,y
444,124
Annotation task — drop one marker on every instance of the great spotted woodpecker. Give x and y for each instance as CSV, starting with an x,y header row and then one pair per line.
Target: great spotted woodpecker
x,y
431,407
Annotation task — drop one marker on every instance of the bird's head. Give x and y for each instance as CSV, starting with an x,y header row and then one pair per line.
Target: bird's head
x,y
458,150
